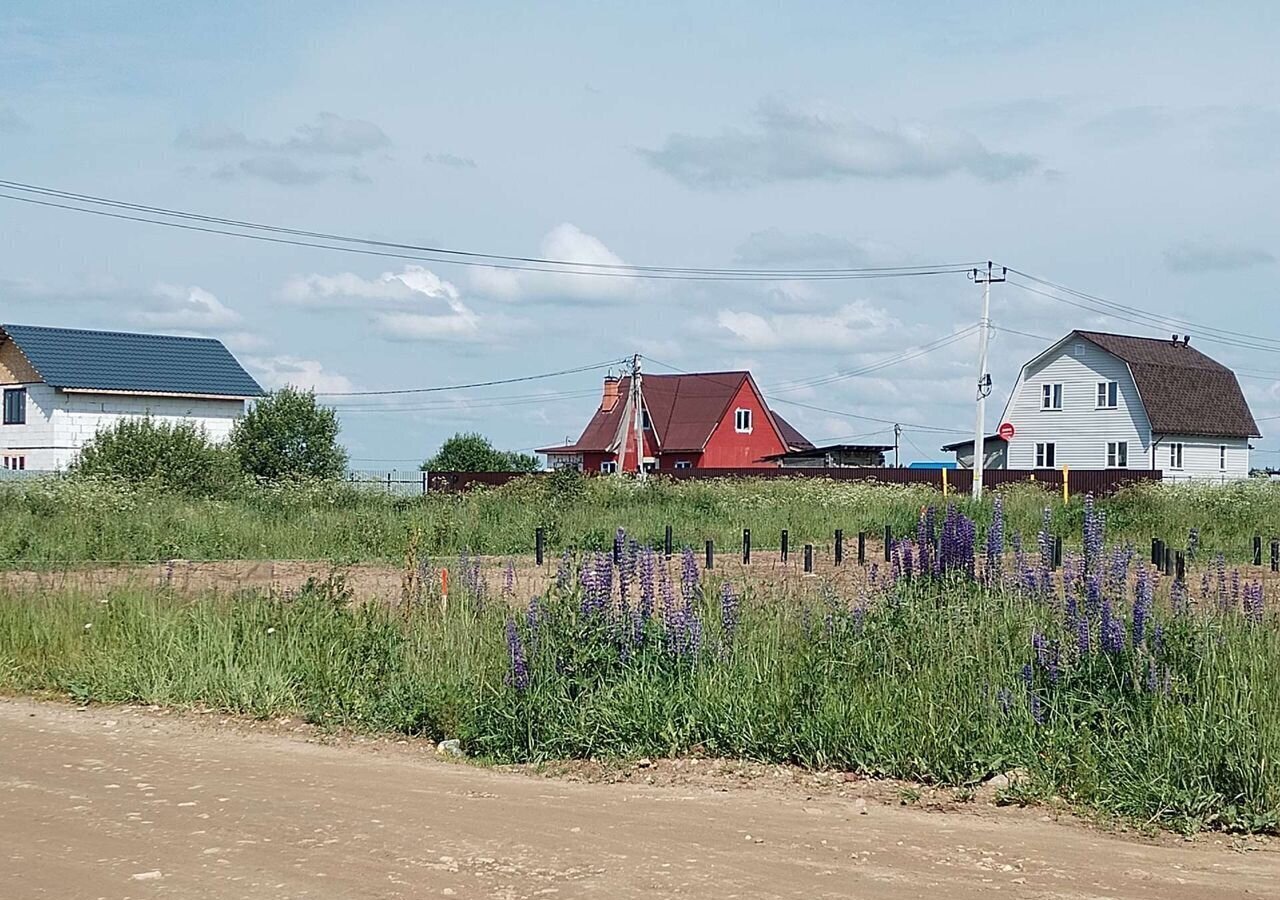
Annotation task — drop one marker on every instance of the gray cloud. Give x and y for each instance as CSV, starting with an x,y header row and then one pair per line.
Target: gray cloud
x,y
791,144
328,134
773,247
1202,256
448,159
284,171
1130,123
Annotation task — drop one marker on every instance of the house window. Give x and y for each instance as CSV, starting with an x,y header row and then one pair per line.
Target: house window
x,y
1108,395
15,406
16,463
1077,350
1222,457
609,465
683,464
742,421
644,419
1117,454
1051,396
1175,456
1046,455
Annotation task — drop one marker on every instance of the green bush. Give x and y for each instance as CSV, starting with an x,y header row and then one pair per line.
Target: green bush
x,y
474,452
288,435
179,457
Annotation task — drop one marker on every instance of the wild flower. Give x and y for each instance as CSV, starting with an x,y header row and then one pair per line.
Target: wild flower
x,y
1110,630
509,578
1142,602
1044,540
1253,602
1179,599
1193,543
1004,700
1094,535
690,576
995,543
729,612
518,677
646,569
1083,636
564,573
908,563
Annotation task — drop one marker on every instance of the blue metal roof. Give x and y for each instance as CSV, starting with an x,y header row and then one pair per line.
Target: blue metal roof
x,y
117,361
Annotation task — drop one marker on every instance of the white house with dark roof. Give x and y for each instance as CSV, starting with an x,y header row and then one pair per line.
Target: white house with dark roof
x,y
1105,401
61,385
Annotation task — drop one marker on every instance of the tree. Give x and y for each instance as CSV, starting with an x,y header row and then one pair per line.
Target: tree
x,y
288,435
474,452
177,456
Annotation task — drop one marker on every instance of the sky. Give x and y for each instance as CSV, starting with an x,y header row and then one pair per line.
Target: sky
x,y
1128,153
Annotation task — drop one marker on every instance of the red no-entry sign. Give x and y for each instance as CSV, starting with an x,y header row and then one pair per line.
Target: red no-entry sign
x,y
1005,431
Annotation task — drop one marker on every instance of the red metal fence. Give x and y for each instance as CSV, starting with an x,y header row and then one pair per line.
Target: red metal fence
x,y
1080,481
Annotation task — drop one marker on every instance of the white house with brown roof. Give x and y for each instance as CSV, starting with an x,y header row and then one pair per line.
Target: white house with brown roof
x,y
1105,401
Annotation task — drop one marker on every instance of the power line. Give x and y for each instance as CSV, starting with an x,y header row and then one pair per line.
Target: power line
x,y
1102,306
849,415
198,222
475,384
905,356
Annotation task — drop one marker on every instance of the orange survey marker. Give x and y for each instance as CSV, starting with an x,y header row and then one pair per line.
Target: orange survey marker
x,y
444,588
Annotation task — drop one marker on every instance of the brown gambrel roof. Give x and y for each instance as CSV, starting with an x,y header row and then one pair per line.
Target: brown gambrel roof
x,y
683,412
1183,391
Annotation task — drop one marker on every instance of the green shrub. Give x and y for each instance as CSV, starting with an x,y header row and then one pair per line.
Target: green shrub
x,y
474,452
179,457
288,435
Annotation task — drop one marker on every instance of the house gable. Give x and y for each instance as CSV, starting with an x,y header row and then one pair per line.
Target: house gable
x,y
15,368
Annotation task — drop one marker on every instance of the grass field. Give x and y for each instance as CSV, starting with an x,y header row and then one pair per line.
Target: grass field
x,y
1109,687
50,521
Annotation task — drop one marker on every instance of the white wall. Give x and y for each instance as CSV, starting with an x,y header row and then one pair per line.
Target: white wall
x,y
58,423
1201,458
1080,430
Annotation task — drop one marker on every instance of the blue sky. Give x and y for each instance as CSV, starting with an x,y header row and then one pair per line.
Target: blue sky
x,y
1131,154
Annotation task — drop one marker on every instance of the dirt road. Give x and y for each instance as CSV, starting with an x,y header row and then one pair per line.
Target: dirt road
x,y
116,803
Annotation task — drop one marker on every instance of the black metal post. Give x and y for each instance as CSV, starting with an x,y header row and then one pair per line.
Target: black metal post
x,y
888,543
539,542
862,548
666,543
808,558
784,545
1275,556
1155,551
1257,549
1168,560
839,546
746,546
1057,553
1180,565
711,555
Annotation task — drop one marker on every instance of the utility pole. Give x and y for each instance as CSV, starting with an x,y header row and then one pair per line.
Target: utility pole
x,y
984,378
897,435
637,400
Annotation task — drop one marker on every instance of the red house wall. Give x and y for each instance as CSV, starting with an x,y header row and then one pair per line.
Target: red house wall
x,y
727,449
591,461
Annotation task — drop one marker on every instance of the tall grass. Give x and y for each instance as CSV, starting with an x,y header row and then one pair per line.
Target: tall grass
x,y
68,520
945,679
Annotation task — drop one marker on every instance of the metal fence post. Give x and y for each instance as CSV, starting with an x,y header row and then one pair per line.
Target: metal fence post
x,y
1257,549
839,550
862,548
539,542
1180,565
711,555
888,543
746,546
808,558
1275,556
1155,551
1168,560
666,543
784,545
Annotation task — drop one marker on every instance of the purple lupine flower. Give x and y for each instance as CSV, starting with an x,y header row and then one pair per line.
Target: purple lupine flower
x,y
509,578
1037,709
646,568
533,617
874,576
729,612
1094,535
896,571
1044,540
1004,699
1254,601
1204,586
1152,682
518,677
690,576
1083,638
564,573
1110,630
1093,595
1193,542
619,544
1179,598
926,541
1143,597
908,562
1235,588
1157,641
995,542
1220,565
1048,656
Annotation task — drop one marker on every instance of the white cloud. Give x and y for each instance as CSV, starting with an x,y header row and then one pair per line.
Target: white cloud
x,y
414,304
1206,256
185,308
814,144
283,371
327,134
852,326
564,242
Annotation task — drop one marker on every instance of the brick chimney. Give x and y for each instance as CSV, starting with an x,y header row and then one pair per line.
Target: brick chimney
x,y
609,399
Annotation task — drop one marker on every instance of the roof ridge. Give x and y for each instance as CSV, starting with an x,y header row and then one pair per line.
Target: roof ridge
x,y
110,333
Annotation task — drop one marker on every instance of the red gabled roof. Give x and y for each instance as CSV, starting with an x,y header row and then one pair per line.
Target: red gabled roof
x,y
684,410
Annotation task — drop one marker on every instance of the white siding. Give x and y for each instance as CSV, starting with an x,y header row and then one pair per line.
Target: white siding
x,y
59,424
1201,458
1079,430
